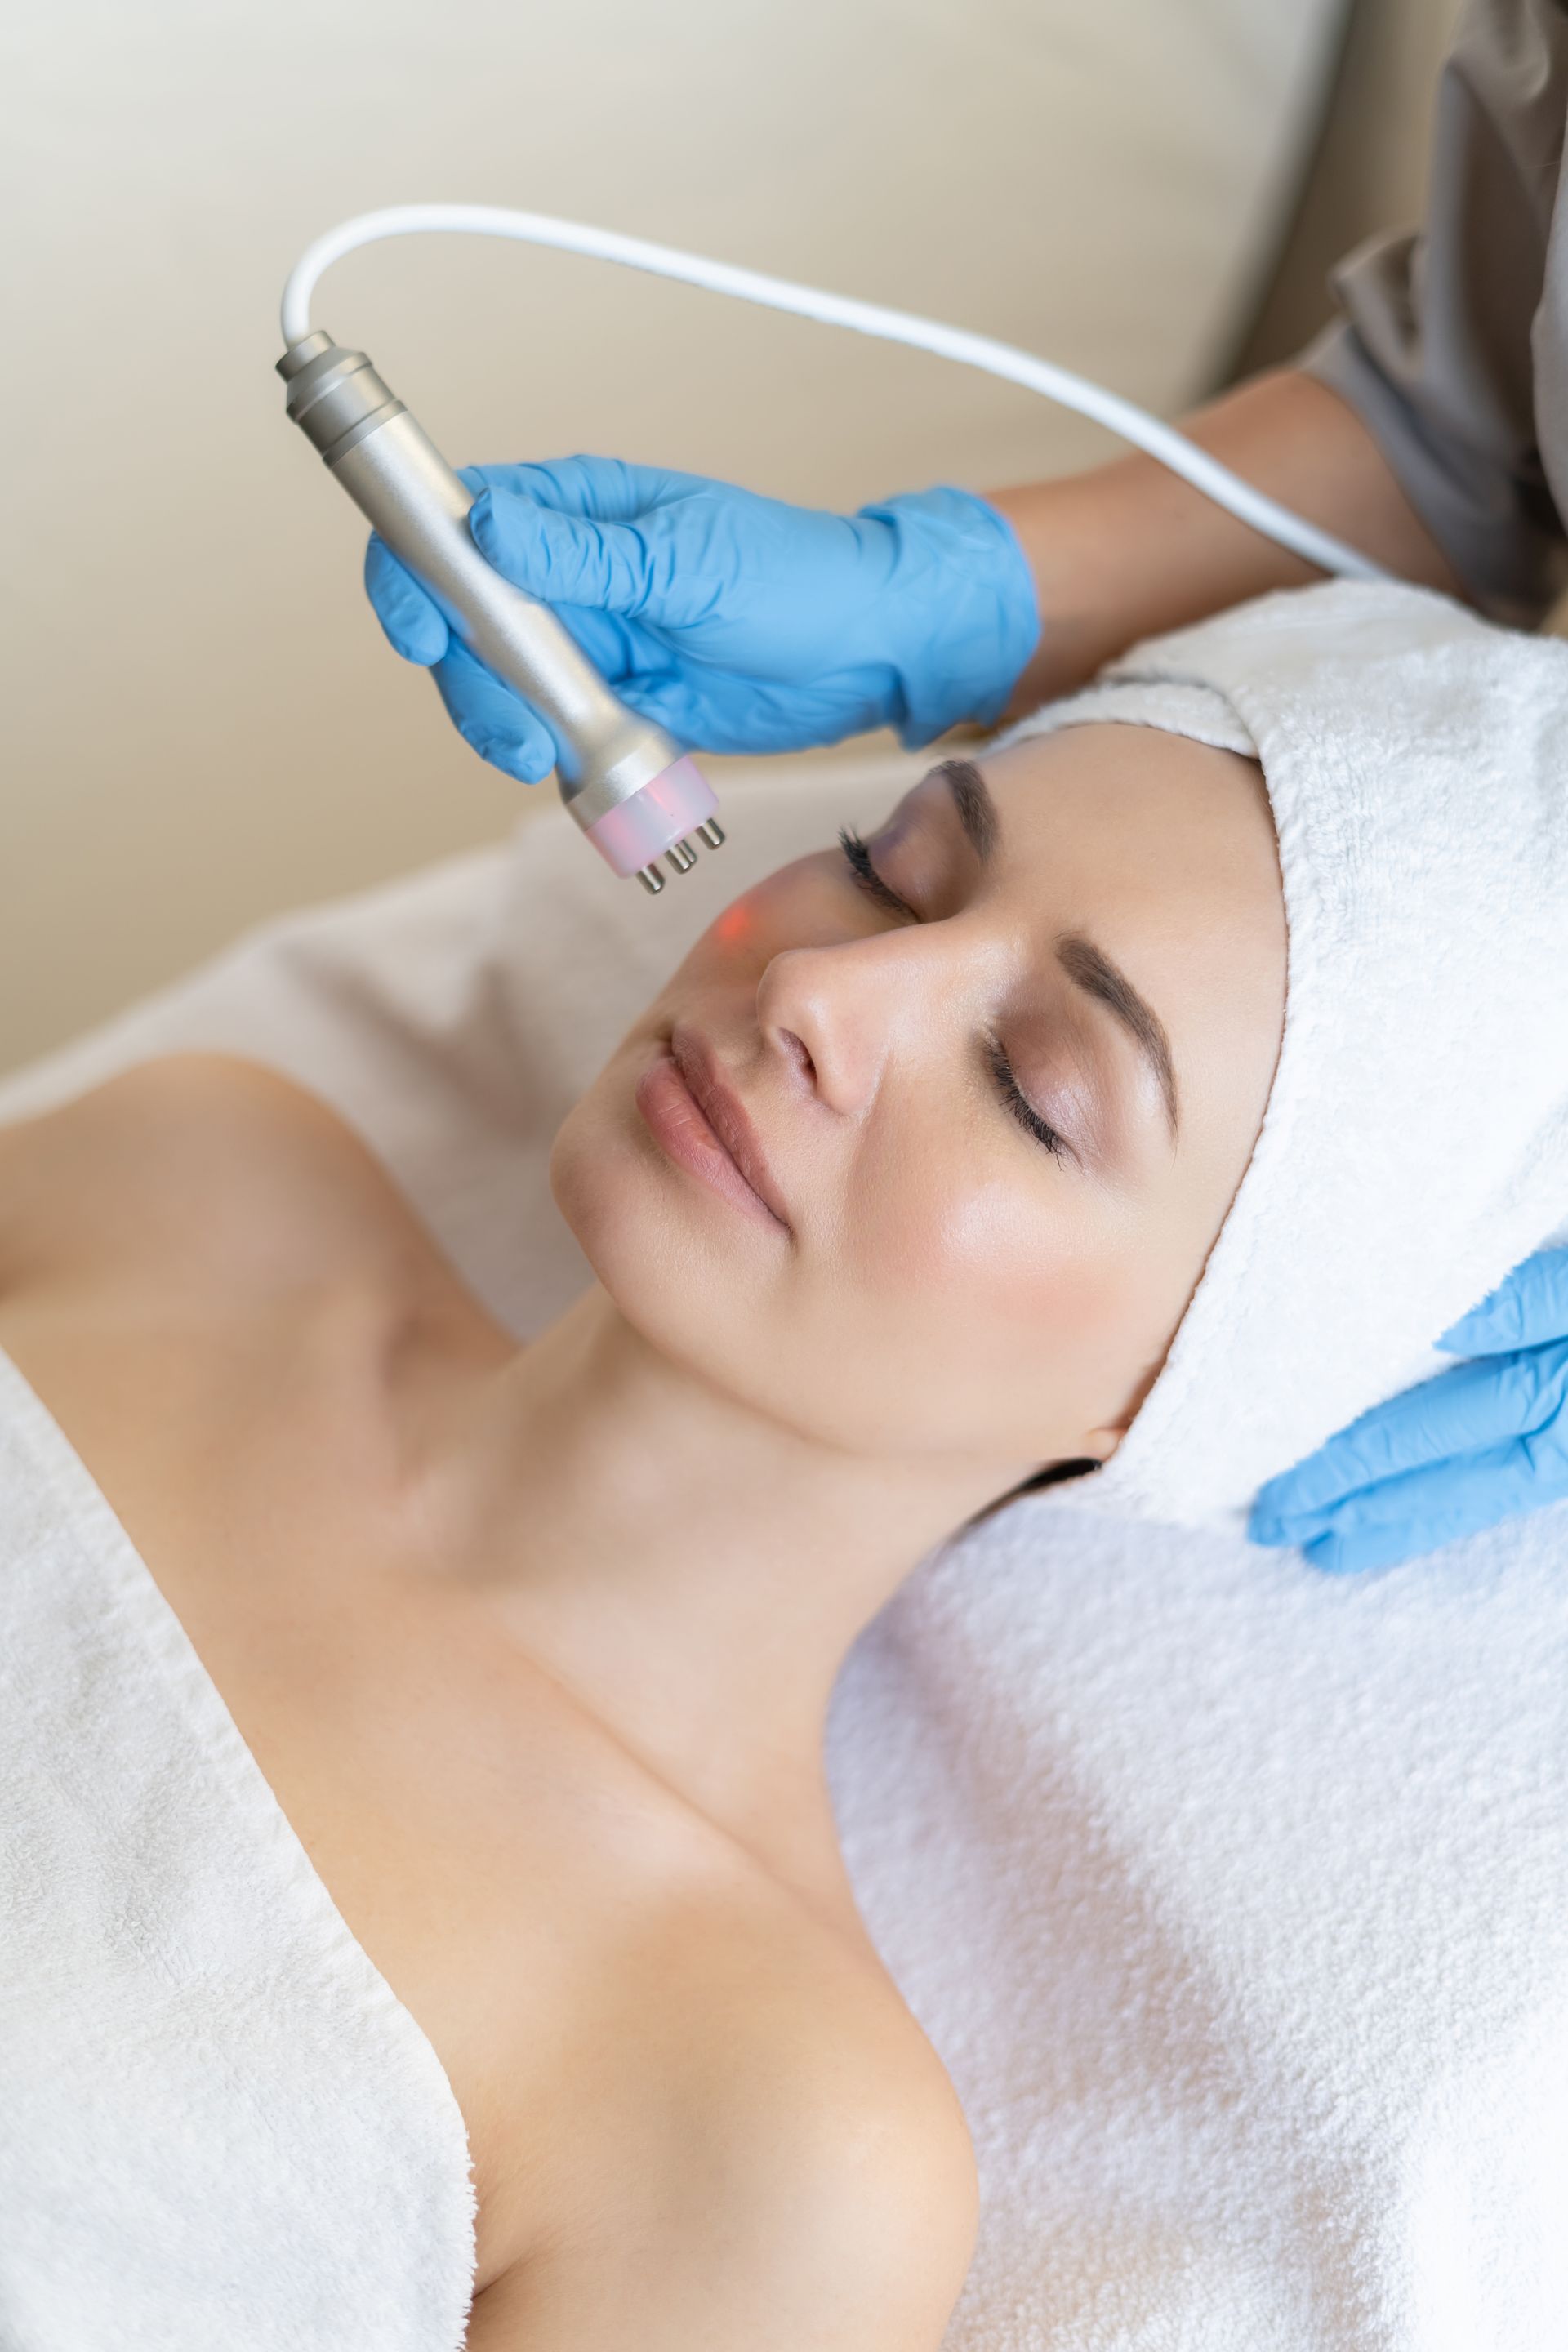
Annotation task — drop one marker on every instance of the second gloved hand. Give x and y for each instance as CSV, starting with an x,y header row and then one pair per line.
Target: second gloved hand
x,y
738,622
1475,1446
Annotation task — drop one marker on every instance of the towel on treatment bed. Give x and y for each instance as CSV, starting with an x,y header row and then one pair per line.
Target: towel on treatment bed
x,y
1234,1897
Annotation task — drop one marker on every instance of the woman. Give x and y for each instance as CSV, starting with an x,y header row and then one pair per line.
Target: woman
x,y
895,1195
1428,427
942,1161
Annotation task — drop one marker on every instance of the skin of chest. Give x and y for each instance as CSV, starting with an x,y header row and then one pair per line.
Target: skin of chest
x,y
563,1928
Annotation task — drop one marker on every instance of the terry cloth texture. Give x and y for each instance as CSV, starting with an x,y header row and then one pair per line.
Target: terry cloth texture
x,y
1416,1144
1234,1896
218,2125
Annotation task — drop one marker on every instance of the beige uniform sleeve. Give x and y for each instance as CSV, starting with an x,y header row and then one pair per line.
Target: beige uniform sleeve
x,y
1443,344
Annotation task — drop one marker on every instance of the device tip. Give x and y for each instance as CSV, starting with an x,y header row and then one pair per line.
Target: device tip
x,y
659,818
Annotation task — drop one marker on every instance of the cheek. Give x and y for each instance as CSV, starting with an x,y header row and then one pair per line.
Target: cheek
x,y
956,1307
799,906
1008,1311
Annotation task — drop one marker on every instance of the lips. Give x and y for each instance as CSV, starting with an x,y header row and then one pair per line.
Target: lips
x,y
691,1109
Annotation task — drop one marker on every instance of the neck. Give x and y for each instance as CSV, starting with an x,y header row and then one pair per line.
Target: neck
x,y
690,1571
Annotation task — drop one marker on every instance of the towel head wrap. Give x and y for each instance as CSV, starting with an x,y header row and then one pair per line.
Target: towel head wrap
x,y
1415,1143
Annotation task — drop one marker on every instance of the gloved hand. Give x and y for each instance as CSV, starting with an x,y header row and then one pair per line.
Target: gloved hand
x,y
738,623
1476,1444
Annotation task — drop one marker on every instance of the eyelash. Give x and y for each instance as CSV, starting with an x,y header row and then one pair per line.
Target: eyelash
x,y
867,876
867,879
1019,1103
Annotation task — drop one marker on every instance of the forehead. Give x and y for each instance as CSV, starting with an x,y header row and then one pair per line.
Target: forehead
x,y
1127,811
1161,850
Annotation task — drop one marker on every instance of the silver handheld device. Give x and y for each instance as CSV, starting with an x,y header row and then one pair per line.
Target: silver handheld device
x,y
623,780
633,793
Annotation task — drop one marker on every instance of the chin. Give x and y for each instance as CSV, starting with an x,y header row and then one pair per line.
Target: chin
x,y
697,1282
675,1265
601,1170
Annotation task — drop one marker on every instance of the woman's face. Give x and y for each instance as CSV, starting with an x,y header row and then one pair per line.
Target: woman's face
x,y
924,1146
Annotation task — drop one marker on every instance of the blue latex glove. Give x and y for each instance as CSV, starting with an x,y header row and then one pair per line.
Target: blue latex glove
x,y
1475,1446
738,623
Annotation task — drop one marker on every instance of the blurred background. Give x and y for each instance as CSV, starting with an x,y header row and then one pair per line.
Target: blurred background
x,y
201,725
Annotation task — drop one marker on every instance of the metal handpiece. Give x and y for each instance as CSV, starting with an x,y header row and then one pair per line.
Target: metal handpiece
x,y
623,780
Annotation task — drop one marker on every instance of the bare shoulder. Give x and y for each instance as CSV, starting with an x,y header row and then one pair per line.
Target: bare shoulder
x,y
851,2168
194,1151
171,1101
794,2166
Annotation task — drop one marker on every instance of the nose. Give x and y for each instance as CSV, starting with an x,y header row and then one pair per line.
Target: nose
x,y
836,1013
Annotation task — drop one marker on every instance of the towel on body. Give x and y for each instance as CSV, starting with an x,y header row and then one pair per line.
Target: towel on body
x,y
1234,1896
218,2127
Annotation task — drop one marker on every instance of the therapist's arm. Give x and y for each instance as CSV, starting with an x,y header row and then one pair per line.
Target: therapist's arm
x,y
1409,429
1129,549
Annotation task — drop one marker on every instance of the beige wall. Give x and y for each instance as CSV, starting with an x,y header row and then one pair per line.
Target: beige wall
x,y
200,724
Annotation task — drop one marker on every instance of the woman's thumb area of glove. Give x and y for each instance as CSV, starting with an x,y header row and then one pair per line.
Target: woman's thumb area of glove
x,y
562,559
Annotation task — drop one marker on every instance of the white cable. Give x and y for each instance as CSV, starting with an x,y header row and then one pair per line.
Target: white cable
x,y
1107,408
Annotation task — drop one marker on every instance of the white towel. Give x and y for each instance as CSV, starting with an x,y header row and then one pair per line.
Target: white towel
x,y
1416,1145
218,2125
1234,1897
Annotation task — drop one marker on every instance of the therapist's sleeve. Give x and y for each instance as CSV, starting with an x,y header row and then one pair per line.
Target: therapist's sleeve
x,y
1440,335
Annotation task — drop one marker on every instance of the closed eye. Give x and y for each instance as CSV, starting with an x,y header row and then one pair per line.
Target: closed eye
x,y
1018,1102
867,877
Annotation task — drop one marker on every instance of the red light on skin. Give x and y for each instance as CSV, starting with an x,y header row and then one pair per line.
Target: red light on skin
x,y
735,924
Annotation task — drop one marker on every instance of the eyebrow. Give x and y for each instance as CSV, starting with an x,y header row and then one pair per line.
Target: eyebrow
x,y
976,809
1082,961
1100,978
